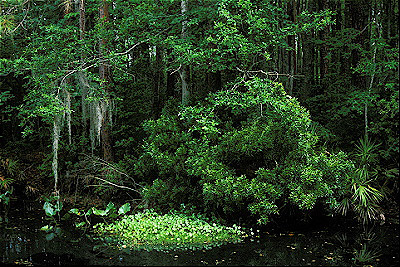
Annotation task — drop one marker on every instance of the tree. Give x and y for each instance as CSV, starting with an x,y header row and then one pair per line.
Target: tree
x,y
86,74
250,148
106,102
184,71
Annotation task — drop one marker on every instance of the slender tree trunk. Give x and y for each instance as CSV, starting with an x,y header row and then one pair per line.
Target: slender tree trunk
x,y
171,81
323,51
82,20
156,103
292,42
184,70
81,75
342,14
104,69
105,78
375,32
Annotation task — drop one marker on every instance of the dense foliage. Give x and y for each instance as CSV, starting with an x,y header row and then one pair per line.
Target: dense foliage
x,y
236,107
252,147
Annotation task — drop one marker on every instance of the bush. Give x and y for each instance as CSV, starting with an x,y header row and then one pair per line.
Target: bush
x,y
252,148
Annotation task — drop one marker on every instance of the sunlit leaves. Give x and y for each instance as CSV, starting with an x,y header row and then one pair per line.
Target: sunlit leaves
x,y
247,148
124,209
110,212
152,231
49,209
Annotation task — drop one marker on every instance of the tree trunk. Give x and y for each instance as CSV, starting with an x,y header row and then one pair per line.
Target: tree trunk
x,y
375,33
156,103
292,42
323,51
81,76
105,78
184,70
82,20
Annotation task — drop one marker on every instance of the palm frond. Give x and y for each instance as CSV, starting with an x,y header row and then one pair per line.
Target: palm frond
x,y
344,206
366,150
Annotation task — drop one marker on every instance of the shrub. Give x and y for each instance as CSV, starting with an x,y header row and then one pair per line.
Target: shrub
x,y
252,148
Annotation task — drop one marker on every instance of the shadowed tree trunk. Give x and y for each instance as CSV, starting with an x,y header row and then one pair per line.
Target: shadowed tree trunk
x,y
105,78
292,54
184,70
156,103
323,61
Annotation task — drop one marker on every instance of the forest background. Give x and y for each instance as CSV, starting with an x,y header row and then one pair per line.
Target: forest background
x,y
232,107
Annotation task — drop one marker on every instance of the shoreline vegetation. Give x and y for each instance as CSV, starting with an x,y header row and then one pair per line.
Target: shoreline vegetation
x,y
149,230
248,112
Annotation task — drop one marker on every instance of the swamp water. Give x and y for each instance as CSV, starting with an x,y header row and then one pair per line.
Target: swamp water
x,y
329,244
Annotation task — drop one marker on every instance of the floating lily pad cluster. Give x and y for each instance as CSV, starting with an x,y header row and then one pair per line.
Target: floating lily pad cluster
x,y
149,230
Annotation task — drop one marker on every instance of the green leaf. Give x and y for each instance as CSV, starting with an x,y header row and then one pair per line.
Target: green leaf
x,y
124,208
89,212
46,228
58,206
100,212
57,230
48,208
77,225
110,206
75,211
50,236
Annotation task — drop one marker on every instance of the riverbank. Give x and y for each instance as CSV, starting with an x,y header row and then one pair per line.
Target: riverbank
x,y
334,242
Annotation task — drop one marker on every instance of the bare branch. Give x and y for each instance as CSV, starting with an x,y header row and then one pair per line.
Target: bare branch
x,y
270,73
113,184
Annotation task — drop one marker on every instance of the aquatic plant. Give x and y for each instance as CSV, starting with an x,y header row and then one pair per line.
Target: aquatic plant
x,y
52,208
150,230
365,254
110,211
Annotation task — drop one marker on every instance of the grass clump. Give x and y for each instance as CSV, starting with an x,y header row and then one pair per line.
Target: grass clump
x,y
152,231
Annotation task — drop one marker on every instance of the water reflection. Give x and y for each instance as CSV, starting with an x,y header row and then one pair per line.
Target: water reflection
x,y
22,242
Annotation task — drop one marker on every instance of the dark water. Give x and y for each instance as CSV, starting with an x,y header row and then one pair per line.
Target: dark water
x,y
329,244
